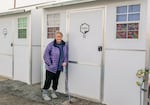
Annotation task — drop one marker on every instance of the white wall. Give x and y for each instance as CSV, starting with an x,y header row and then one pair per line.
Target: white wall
x,y
123,58
5,5
36,45
8,4
20,3
120,77
112,42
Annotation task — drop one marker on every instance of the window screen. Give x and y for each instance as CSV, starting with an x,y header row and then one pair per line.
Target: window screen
x,y
127,22
22,28
53,24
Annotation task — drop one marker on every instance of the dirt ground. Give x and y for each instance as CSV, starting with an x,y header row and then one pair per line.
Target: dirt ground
x,y
18,93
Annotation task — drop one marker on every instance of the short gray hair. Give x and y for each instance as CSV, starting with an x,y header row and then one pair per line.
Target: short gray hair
x,y
59,33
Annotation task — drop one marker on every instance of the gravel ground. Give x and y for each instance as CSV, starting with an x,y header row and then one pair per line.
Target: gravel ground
x,y
18,93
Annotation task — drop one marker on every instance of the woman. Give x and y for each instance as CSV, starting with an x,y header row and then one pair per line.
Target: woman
x,y
55,58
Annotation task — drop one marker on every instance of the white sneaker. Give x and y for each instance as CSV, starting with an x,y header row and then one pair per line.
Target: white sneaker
x,y
46,97
53,94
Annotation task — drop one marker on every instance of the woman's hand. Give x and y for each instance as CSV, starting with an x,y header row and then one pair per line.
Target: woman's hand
x,y
64,64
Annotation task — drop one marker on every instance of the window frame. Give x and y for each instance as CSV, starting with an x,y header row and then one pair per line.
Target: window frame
x,y
127,21
54,27
22,28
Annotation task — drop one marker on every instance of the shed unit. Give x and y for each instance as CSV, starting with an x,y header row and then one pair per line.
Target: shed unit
x,y
108,43
20,45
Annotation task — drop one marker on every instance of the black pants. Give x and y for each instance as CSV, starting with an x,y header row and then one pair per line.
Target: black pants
x,y
51,77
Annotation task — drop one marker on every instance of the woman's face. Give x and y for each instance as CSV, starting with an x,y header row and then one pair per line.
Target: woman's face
x,y
58,38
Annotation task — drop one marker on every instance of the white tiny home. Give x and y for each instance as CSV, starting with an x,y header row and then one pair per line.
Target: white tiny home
x,y
108,44
20,45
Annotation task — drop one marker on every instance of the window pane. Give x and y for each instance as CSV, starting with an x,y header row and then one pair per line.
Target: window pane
x,y
51,31
121,35
22,33
133,34
53,20
121,27
50,35
134,8
22,22
121,17
122,9
53,23
133,26
22,25
134,17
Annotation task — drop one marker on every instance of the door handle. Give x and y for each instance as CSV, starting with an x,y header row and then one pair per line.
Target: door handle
x,y
75,62
100,48
11,44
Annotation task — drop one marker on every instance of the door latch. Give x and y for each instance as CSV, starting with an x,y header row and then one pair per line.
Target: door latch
x,y
100,48
11,44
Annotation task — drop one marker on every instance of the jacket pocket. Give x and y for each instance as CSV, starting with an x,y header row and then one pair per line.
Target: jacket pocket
x,y
52,67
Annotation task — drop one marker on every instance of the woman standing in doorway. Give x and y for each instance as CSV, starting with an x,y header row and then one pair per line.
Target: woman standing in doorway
x,y
55,58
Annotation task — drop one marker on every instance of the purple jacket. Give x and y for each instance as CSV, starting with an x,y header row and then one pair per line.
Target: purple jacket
x,y
51,56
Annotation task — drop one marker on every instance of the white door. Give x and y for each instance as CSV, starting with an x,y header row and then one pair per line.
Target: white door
x,y
6,38
85,53
22,49
53,22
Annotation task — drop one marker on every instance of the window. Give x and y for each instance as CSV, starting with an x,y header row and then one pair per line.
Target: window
x,y
127,19
53,24
22,27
